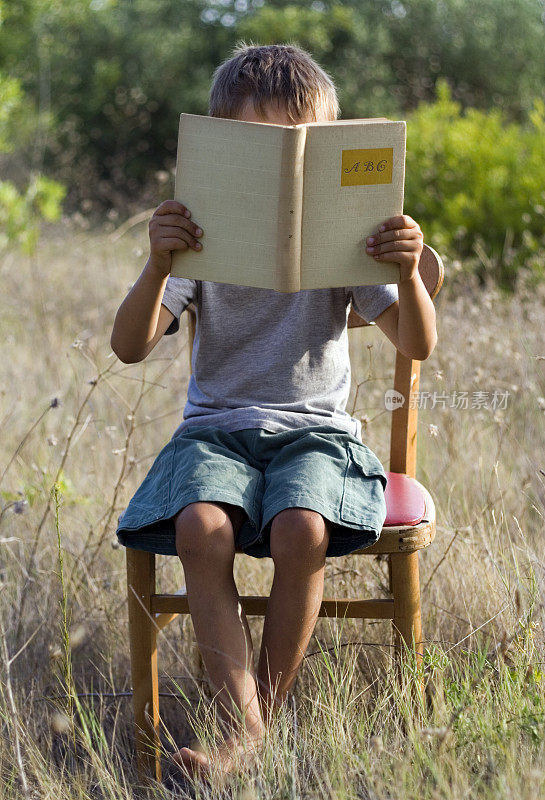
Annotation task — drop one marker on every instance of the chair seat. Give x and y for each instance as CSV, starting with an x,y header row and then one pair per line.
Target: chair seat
x,y
407,501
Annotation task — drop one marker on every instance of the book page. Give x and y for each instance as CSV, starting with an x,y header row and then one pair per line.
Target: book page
x,y
233,176
353,180
347,121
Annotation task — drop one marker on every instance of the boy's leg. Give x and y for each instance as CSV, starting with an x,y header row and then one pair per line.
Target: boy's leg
x,y
205,542
299,540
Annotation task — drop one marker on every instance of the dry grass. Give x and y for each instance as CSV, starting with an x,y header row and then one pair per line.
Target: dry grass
x,y
79,432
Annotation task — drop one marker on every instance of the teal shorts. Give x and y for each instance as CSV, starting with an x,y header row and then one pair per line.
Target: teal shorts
x,y
322,468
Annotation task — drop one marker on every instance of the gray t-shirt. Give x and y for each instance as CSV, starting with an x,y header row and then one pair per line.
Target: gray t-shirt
x,y
268,359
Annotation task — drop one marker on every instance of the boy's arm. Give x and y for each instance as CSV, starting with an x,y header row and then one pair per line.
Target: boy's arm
x,y
409,322
141,320
166,318
163,324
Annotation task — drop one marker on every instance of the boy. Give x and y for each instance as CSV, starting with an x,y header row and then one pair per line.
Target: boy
x,y
264,458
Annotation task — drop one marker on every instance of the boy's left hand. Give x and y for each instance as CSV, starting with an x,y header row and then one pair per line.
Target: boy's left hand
x,y
401,241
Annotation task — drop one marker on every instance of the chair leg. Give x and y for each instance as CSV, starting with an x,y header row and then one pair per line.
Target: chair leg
x,y
390,586
143,648
407,622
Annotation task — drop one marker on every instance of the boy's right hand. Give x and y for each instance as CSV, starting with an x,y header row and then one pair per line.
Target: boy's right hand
x,y
171,228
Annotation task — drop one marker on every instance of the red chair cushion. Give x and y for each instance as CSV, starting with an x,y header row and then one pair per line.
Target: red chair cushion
x,y
405,500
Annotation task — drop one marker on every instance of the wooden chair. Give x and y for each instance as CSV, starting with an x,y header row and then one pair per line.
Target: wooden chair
x,y
409,527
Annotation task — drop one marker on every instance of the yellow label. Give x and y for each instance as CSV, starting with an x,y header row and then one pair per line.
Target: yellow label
x,y
367,167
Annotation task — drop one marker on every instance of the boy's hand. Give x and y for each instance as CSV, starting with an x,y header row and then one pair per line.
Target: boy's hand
x,y
402,241
171,229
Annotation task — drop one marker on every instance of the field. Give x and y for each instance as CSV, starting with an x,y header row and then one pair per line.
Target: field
x,y
80,429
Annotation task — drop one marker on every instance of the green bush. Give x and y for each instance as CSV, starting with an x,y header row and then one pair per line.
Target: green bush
x,y
22,209
476,186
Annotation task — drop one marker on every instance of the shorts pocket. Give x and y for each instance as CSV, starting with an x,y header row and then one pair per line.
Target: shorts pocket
x,y
363,488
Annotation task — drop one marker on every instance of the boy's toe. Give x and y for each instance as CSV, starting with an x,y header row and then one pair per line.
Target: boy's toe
x,y
191,762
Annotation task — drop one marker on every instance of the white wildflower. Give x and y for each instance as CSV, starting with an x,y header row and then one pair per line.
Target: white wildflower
x,y
376,744
60,723
55,653
431,733
78,636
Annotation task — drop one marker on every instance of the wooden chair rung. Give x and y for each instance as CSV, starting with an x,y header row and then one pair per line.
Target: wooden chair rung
x,y
169,604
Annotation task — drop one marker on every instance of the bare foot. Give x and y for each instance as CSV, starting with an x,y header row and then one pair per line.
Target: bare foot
x,y
196,763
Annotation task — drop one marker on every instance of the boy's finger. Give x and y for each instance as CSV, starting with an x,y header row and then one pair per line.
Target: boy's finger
x,y
399,246
178,237
177,221
403,221
176,244
173,206
168,232
395,235
175,230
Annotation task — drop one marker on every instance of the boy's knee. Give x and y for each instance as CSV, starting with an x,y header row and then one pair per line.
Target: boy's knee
x,y
298,534
204,533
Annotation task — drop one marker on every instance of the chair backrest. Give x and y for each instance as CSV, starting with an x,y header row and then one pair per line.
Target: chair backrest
x,y
407,371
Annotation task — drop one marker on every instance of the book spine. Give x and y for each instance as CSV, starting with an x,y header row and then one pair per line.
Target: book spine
x,y
290,210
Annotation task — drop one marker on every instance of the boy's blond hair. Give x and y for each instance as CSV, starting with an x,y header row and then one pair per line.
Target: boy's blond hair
x,y
278,74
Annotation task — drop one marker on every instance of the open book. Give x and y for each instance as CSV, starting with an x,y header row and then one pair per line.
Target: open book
x,y
288,207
